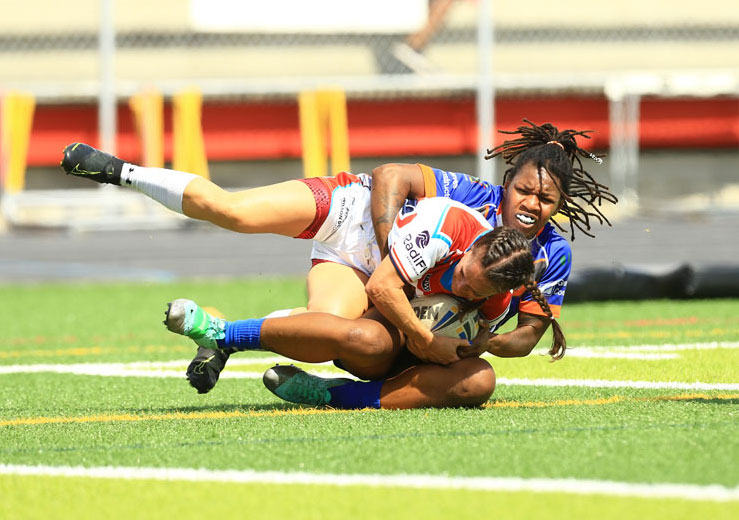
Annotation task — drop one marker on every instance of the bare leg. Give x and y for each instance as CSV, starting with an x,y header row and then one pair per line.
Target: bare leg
x,y
337,289
366,347
468,382
286,208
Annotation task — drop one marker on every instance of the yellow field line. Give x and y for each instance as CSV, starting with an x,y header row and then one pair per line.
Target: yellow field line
x,y
104,418
605,400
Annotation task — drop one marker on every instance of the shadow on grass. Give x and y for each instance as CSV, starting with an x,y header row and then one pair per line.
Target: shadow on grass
x,y
710,400
215,408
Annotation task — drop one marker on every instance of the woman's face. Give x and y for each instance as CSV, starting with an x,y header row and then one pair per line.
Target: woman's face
x,y
530,200
470,281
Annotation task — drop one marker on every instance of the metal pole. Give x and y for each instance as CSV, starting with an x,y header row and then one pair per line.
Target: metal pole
x,y
485,89
107,94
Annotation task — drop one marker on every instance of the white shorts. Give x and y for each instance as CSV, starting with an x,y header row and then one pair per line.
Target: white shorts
x,y
346,235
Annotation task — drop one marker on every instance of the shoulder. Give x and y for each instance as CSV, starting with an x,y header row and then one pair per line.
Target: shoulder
x,y
551,251
551,240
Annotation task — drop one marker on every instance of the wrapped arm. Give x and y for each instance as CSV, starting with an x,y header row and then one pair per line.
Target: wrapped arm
x,y
392,184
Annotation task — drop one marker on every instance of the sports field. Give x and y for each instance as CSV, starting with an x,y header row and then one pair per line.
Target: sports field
x,y
640,419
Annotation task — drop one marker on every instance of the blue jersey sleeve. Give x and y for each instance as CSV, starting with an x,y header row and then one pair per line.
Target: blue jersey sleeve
x,y
553,264
468,190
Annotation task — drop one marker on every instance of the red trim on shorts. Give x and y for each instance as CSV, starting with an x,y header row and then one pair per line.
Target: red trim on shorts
x,y
322,189
315,261
322,195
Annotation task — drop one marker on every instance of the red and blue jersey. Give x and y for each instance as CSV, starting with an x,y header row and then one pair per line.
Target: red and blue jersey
x,y
551,252
428,240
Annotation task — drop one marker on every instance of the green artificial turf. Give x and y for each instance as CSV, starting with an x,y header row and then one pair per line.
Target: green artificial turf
x,y
637,435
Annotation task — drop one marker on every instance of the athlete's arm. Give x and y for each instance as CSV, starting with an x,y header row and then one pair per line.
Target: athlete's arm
x,y
517,343
392,184
385,289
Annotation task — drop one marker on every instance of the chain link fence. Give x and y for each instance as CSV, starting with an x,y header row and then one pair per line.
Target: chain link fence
x,y
538,46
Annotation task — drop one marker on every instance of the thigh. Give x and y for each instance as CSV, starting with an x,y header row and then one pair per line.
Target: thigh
x,y
337,289
286,208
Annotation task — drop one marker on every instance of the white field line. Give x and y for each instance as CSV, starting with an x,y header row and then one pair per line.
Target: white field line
x,y
607,383
123,370
713,492
175,369
594,354
663,347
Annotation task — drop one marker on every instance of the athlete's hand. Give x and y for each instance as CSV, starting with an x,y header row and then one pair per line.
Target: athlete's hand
x,y
480,343
440,350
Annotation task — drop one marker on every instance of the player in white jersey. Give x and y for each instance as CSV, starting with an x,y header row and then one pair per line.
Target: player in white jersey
x,y
440,243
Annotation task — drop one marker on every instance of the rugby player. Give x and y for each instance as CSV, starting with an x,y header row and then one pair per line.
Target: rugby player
x,y
440,246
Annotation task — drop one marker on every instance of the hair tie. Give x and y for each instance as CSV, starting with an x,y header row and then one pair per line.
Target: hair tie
x,y
557,143
595,158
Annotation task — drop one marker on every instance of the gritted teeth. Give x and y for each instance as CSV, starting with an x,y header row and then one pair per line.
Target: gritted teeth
x,y
525,219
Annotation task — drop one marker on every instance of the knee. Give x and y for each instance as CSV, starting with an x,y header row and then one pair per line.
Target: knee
x,y
476,382
367,338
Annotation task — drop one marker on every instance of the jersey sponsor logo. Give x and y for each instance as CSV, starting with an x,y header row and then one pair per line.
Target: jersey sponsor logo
x,y
426,284
422,239
556,288
413,254
449,182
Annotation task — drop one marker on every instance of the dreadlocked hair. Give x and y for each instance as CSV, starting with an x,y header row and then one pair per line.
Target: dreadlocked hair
x,y
506,257
558,153
559,343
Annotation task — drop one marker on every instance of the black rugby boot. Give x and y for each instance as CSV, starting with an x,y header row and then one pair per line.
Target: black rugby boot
x,y
82,160
204,369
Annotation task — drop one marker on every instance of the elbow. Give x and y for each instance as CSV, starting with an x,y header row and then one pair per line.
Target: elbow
x,y
384,170
373,290
385,173
376,290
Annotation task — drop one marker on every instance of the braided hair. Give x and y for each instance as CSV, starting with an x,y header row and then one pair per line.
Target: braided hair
x,y
508,261
506,257
558,153
559,343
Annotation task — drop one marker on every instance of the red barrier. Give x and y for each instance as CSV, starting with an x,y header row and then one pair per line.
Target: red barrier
x,y
443,126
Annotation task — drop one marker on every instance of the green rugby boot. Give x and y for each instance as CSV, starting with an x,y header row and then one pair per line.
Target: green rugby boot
x,y
187,318
292,384
82,160
206,367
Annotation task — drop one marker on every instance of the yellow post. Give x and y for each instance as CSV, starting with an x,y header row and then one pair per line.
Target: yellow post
x,y
148,110
338,130
312,132
17,120
188,152
323,120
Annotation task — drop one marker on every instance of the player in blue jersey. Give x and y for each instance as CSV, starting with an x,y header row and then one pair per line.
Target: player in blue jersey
x,y
546,177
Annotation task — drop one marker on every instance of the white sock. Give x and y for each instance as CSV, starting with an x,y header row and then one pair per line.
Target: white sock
x,y
279,314
164,186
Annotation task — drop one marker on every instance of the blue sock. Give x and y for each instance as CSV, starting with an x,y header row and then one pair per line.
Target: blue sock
x,y
242,334
357,394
